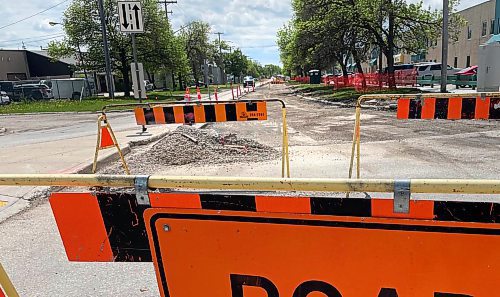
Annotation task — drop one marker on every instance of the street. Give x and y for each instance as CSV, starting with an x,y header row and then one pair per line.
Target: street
x,y
320,145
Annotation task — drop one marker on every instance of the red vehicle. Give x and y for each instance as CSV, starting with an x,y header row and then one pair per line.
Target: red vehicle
x,y
468,71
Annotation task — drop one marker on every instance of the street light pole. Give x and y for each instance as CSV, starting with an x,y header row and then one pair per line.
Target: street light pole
x,y
444,43
109,74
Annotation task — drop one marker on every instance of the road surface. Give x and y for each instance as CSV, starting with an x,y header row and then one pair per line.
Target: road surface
x,y
320,136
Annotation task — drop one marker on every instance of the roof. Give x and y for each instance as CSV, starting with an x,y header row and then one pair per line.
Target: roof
x,y
493,39
44,53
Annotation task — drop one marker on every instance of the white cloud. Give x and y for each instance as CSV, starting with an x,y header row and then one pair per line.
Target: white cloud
x,y
249,24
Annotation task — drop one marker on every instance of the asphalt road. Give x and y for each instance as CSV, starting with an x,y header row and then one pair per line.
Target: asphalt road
x,y
320,137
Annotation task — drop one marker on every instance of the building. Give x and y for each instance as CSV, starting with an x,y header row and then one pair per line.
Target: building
x,y
482,22
25,65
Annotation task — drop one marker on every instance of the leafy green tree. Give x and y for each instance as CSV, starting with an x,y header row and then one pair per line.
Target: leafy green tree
x,y
270,70
156,47
197,46
236,63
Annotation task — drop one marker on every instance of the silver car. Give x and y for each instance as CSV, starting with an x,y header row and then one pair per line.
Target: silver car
x,y
4,99
434,69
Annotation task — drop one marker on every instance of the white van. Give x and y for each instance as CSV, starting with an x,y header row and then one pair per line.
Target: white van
x,y
434,69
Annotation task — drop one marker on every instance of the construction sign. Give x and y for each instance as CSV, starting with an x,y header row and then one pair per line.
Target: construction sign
x,y
249,246
202,113
454,108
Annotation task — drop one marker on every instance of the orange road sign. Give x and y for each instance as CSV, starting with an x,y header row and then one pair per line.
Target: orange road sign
x,y
236,245
235,254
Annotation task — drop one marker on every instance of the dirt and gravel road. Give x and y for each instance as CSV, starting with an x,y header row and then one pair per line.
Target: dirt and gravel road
x,y
320,146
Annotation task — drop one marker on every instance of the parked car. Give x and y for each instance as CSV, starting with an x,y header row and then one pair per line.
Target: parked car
x,y
468,71
33,92
434,69
4,98
467,78
8,87
248,82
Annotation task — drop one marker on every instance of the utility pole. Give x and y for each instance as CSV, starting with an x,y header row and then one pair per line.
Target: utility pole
x,y
222,59
166,3
109,74
444,56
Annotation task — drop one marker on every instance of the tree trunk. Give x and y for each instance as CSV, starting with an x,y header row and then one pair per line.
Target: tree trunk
x,y
357,60
390,52
124,69
180,82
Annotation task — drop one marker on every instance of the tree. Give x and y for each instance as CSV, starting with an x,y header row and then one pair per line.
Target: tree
x,y
197,46
157,48
271,70
236,63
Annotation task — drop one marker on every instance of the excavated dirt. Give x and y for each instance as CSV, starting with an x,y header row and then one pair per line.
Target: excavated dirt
x,y
188,145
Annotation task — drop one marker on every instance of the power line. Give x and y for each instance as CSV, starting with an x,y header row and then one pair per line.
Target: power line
x,y
33,15
32,37
31,41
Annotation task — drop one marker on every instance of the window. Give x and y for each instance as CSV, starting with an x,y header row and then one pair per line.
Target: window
x,y
469,32
467,65
455,63
484,30
492,27
436,67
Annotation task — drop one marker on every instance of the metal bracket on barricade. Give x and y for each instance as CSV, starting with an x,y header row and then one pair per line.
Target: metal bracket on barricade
x,y
141,190
402,196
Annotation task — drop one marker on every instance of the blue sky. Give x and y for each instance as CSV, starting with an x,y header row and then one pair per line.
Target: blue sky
x,y
250,25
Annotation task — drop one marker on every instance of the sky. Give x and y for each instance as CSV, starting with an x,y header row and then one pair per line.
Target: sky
x,y
248,24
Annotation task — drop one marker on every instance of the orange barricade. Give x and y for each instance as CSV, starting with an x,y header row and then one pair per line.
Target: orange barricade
x,y
287,245
106,139
480,106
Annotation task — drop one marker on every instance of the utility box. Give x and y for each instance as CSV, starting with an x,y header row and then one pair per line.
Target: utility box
x,y
315,77
488,73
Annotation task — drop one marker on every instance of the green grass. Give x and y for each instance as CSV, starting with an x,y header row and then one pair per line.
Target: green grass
x,y
87,105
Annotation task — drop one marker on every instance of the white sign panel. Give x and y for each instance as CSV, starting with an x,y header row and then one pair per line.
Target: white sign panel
x,y
131,19
138,86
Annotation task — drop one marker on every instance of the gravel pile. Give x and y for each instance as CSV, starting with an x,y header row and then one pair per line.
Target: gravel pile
x,y
188,145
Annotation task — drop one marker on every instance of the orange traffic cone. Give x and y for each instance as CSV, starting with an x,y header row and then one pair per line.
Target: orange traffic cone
x,y
198,92
216,95
187,96
106,139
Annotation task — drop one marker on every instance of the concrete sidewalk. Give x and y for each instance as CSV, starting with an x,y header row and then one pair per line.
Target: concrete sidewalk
x,y
62,151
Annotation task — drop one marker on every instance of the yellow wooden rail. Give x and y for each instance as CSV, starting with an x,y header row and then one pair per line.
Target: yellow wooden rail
x,y
437,186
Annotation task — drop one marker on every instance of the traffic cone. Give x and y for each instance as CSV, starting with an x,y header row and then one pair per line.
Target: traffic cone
x,y
187,96
106,139
198,92
216,95
253,87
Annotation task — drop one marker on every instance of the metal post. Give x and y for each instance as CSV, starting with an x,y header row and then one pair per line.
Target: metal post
x,y
444,57
134,50
107,59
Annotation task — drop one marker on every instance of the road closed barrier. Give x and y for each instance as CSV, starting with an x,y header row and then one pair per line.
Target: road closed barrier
x,y
481,106
7,289
207,112
265,243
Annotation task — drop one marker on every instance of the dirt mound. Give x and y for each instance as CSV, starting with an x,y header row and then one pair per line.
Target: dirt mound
x,y
188,145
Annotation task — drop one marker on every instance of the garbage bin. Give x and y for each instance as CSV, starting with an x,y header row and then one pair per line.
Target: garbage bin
x,y
315,77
